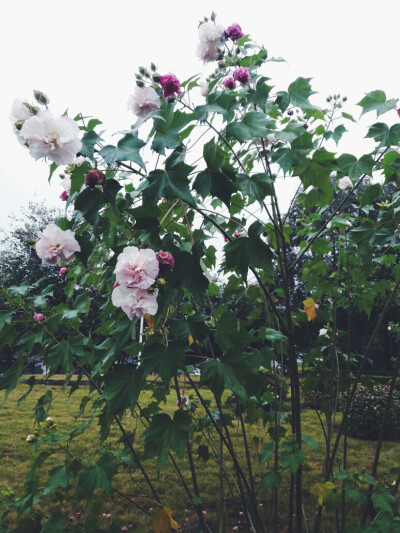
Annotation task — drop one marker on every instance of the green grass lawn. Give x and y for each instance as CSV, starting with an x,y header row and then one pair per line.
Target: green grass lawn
x,y
16,422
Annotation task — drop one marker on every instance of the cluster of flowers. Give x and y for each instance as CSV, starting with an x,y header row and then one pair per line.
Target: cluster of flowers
x,y
213,36
241,75
34,437
44,134
136,273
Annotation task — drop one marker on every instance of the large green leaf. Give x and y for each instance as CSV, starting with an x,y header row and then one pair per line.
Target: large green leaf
x,y
254,125
165,434
188,274
92,478
88,142
164,360
299,92
167,127
376,101
58,478
220,376
128,149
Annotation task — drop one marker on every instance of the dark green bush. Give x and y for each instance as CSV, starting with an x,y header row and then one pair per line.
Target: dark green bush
x,y
367,410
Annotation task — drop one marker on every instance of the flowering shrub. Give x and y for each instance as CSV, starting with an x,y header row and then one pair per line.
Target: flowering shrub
x,y
147,225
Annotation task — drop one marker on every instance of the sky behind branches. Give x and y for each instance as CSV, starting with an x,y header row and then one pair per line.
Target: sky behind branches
x,y
83,55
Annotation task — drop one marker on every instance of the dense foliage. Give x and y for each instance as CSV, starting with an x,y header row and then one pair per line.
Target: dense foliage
x,y
148,220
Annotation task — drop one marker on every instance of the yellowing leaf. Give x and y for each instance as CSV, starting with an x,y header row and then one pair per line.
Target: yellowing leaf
x,y
163,521
309,308
149,322
322,491
191,340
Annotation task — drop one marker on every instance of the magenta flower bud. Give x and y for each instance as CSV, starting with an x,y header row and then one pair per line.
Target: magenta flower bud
x,y
165,259
63,271
229,83
398,111
39,318
64,196
170,85
234,32
116,284
242,75
237,234
95,177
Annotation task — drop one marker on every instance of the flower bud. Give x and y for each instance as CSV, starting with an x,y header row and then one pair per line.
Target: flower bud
x,y
290,112
138,76
344,98
39,318
221,64
31,108
140,84
63,271
305,126
64,196
165,259
156,78
171,99
153,67
237,50
19,124
213,16
142,71
49,420
95,177
41,97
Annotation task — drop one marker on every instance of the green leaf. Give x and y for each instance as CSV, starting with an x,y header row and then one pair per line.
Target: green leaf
x,y
81,306
58,478
109,154
220,376
128,149
336,134
110,191
309,440
55,524
391,167
292,459
383,500
299,92
253,126
251,251
348,116
188,274
88,203
256,187
121,390
88,142
171,183
53,168
163,360
270,480
376,101
203,452
78,177
165,434
92,478
9,380
267,452
168,126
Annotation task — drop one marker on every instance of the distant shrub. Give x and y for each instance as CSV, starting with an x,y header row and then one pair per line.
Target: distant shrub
x,y
274,382
367,410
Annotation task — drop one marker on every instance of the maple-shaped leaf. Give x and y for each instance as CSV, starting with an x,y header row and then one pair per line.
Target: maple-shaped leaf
x,y
163,521
322,491
309,308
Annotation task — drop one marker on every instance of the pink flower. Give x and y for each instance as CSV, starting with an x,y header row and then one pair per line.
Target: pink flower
x,y
211,37
64,196
234,32
229,83
39,318
242,75
345,183
124,528
165,259
170,85
398,111
55,245
136,268
237,234
55,138
63,271
135,302
144,101
235,528
116,284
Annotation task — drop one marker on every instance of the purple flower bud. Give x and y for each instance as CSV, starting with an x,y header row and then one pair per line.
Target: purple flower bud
x,y
63,271
234,32
305,126
95,177
170,85
237,234
229,83
166,260
39,318
290,112
242,75
64,196
398,111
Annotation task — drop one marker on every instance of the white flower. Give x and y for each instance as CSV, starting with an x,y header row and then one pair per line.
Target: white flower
x,y
144,101
203,84
135,302
55,138
55,245
19,113
271,138
66,185
323,332
211,37
30,438
137,268
345,183
49,420
79,160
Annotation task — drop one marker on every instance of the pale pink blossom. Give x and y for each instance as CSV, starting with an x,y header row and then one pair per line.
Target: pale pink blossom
x,y
55,245
136,268
345,183
55,138
144,101
135,302
211,37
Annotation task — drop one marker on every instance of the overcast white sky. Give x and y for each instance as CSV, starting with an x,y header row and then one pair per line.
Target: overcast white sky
x,y
84,53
